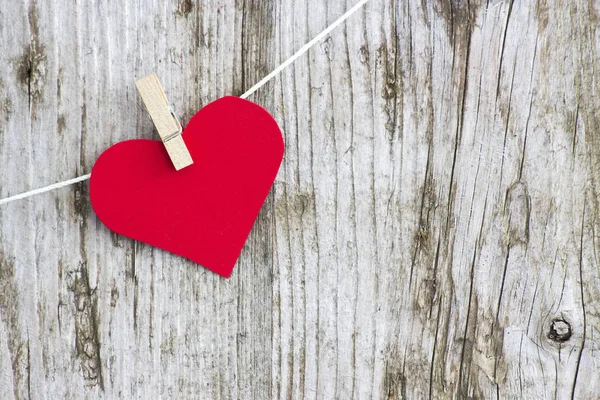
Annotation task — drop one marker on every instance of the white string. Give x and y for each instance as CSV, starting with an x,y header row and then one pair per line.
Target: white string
x,y
45,189
249,92
304,49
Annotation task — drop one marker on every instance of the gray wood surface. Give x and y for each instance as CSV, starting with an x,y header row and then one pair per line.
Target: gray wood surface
x,y
433,231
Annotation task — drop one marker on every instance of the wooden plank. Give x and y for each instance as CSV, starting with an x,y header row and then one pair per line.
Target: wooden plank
x,y
432,231
92,310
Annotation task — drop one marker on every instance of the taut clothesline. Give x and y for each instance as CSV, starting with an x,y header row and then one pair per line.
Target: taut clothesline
x,y
250,91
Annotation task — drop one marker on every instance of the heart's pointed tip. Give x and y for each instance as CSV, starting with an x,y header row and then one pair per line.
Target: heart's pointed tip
x,y
223,272
227,275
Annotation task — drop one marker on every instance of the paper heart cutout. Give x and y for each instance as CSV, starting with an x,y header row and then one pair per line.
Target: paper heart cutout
x,y
203,212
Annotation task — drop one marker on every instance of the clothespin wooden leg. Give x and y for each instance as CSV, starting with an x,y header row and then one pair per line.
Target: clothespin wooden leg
x,y
164,119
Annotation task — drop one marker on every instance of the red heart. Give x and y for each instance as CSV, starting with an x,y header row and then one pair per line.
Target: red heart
x,y
203,212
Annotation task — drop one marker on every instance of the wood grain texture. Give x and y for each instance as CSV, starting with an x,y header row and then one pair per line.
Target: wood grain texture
x,y
432,233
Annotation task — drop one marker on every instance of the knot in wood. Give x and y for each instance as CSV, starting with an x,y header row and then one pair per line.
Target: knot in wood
x,y
560,331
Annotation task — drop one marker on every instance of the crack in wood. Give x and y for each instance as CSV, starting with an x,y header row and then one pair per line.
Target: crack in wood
x,y
31,66
86,327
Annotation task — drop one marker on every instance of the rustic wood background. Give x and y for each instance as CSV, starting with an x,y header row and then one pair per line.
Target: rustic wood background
x,y
433,232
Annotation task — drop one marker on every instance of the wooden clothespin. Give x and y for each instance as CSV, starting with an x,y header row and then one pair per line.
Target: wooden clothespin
x,y
164,119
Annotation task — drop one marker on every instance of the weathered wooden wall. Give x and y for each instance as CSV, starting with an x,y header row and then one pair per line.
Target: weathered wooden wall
x,y
433,231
